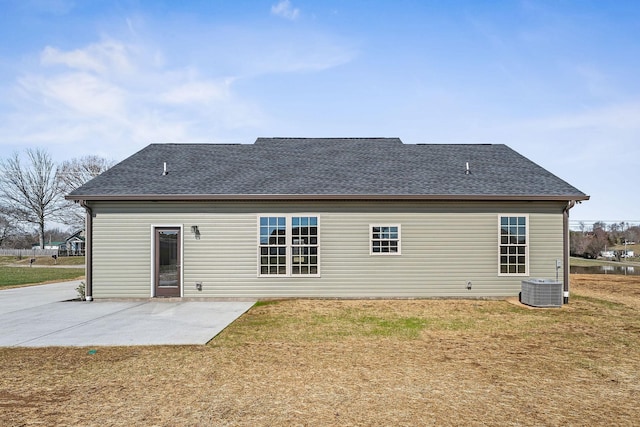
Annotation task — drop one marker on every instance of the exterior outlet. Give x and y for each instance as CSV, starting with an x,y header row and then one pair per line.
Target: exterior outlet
x,y
199,286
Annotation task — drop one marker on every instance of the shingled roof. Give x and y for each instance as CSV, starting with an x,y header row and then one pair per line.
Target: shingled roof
x,y
339,168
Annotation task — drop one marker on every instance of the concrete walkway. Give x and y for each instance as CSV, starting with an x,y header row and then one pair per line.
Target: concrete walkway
x,y
41,316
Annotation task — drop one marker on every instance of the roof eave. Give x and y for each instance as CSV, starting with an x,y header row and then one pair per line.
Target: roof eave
x,y
212,197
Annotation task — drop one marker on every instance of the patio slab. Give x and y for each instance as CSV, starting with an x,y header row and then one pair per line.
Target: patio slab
x,y
42,316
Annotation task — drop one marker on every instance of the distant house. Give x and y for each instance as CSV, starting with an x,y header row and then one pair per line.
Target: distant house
x,y
616,254
74,245
324,217
608,254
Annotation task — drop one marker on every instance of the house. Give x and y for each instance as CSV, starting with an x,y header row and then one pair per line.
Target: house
x,y
74,245
608,254
324,217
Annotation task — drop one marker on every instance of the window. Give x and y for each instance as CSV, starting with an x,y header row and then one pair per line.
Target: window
x,y
304,245
385,239
288,245
513,245
273,247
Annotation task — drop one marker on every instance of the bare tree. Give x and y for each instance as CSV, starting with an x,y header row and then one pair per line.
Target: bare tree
x,y
8,225
74,173
30,190
632,234
598,241
578,242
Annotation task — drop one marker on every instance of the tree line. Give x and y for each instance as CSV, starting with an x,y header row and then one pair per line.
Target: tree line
x,y
589,243
32,190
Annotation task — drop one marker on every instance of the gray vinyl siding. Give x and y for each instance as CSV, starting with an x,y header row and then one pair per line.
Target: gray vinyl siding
x,y
444,245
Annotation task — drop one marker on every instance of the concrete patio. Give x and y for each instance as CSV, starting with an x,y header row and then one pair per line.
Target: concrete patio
x,y
41,316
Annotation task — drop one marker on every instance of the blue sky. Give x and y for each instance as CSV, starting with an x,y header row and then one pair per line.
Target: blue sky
x,y
555,80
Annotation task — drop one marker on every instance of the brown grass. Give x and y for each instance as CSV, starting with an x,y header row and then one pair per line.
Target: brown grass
x,y
319,362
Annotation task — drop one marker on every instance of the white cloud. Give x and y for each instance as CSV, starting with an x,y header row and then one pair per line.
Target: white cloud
x,y
285,10
118,95
108,56
83,93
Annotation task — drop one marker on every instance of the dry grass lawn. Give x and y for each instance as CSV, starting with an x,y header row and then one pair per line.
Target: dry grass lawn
x,y
342,363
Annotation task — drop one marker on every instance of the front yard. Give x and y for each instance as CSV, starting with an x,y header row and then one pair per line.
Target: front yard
x,y
357,362
17,272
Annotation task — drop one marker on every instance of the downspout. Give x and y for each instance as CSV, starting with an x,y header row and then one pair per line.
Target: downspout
x,y
566,249
88,251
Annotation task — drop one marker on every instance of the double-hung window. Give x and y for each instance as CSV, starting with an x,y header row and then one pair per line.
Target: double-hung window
x,y
273,245
514,241
288,245
385,239
304,245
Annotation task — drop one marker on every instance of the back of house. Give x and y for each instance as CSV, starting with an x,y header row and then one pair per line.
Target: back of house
x,y
324,217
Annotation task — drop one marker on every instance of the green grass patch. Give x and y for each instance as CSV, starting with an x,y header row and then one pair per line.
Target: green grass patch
x,y
47,260
15,276
403,327
352,323
265,303
269,320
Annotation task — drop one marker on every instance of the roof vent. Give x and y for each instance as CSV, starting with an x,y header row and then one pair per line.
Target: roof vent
x,y
467,171
164,169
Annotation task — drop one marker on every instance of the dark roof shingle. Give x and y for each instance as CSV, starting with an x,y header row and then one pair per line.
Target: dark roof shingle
x,y
341,167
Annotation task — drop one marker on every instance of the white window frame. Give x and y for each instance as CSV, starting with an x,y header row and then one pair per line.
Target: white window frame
x,y
526,245
371,239
289,245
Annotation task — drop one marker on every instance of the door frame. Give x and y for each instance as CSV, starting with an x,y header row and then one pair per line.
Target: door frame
x,y
154,227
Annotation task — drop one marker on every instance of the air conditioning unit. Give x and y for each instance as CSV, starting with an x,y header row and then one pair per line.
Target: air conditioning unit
x,y
541,293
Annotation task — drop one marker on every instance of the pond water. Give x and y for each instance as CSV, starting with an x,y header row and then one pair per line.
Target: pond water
x,y
606,269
